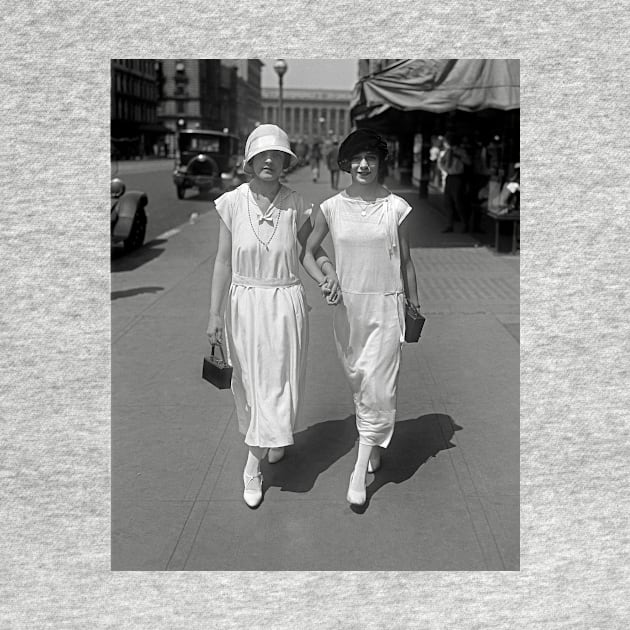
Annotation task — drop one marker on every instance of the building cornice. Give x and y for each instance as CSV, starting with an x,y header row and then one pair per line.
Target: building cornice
x,y
299,94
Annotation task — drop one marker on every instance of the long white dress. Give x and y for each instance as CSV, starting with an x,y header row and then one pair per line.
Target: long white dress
x,y
369,323
266,320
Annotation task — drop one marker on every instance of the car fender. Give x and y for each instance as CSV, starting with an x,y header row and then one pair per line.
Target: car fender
x,y
130,203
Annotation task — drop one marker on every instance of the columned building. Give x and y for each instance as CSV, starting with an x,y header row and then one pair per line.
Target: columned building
x,y
309,115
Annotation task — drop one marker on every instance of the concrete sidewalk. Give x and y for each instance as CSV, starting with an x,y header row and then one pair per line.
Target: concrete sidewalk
x,y
447,496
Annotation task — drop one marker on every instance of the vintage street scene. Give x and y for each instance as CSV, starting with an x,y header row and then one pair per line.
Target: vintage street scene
x,y
339,444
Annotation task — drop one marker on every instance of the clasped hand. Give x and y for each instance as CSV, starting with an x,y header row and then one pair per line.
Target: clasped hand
x,y
331,289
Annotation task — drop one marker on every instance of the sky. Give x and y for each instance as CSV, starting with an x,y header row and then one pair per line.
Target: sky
x,y
340,74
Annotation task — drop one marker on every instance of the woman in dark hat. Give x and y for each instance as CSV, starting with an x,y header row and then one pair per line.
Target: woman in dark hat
x,y
376,274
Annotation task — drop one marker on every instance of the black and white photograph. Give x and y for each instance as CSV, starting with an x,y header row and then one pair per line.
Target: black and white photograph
x,y
315,314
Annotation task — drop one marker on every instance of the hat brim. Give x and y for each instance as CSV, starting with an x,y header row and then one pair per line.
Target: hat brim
x,y
250,171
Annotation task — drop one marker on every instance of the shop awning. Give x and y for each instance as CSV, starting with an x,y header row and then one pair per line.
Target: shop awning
x,y
439,85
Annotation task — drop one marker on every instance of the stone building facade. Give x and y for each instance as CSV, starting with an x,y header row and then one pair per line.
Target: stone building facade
x,y
309,115
135,128
221,94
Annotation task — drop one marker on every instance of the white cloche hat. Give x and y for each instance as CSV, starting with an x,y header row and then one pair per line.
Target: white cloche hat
x,y
267,138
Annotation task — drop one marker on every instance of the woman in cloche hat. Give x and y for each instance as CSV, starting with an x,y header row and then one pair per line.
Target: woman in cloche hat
x,y
262,228
370,237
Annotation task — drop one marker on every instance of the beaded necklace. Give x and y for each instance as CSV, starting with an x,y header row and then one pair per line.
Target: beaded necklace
x,y
275,228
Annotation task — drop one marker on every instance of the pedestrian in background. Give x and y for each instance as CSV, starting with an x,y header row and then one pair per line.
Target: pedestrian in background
x,y
333,165
376,275
453,163
434,154
262,226
315,159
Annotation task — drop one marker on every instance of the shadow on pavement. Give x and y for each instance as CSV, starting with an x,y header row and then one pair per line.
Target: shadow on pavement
x,y
314,451
137,258
116,295
320,446
413,443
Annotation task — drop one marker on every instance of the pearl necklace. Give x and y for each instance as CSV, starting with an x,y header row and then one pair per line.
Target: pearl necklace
x,y
249,214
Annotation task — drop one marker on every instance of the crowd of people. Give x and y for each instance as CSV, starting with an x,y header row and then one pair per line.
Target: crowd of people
x,y
471,174
258,304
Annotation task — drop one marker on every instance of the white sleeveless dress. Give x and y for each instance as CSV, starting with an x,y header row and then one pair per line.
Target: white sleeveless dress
x,y
369,323
266,320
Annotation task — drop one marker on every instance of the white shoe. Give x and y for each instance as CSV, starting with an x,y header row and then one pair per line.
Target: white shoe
x,y
355,498
253,494
275,454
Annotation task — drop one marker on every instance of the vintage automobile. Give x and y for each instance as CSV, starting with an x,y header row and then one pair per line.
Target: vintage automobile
x,y
207,160
129,216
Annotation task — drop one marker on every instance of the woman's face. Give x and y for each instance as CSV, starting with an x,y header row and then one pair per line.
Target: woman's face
x,y
268,165
364,167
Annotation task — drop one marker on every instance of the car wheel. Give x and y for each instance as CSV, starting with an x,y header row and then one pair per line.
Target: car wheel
x,y
181,192
137,233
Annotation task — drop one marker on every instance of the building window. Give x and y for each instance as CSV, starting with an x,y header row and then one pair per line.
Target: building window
x,y
181,107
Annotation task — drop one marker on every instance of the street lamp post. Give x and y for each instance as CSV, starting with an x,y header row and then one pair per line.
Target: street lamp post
x,y
280,66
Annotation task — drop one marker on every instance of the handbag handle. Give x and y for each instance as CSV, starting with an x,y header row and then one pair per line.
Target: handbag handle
x,y
411,307
220,346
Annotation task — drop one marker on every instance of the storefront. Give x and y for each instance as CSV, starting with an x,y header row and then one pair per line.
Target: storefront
x,y
414,101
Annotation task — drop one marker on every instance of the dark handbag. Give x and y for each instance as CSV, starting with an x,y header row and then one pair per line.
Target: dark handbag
x,y
217,371
414,322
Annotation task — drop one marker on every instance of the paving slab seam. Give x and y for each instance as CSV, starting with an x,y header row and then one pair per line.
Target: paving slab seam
x,y
196,502
460,454
466,496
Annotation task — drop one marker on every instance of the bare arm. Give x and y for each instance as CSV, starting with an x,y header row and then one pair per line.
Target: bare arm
x,y
315,261
312,246
406,264
221,277
320,255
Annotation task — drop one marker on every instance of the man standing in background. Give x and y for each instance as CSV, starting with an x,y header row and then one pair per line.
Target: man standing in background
x,y
453,163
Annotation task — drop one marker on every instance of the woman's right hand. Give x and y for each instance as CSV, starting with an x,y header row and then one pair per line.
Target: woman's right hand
x,y
215,330
331,289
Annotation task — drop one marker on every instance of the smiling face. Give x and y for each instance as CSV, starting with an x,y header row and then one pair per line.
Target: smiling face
x,y
268,165
364,167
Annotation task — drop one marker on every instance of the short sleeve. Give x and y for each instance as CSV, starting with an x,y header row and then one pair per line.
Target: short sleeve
x,y
402,208
223,204
303,209
325,208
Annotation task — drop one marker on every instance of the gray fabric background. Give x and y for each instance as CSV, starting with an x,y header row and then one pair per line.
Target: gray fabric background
x,y
55,332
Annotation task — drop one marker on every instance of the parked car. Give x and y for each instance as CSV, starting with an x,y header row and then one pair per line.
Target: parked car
x,y
128,216
207,160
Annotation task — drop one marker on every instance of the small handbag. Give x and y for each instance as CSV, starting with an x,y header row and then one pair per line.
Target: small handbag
x,y
414,322
217,371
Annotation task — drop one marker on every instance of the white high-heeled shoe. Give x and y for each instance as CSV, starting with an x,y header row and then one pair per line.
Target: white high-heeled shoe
x,y
275,454
353,497
253,494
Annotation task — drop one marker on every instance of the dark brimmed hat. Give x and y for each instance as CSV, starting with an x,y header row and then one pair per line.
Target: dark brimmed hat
x,y
358,141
